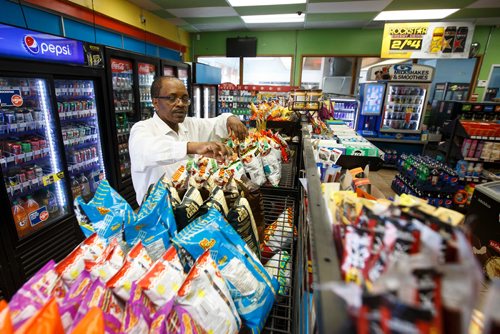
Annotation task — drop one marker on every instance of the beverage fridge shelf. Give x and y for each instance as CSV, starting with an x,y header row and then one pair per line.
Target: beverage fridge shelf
x,y
26,188
83,166
280,318
10,130
20,159
85,140
88,119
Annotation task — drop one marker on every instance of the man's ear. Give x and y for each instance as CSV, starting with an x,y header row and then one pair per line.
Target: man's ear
x,y
155,103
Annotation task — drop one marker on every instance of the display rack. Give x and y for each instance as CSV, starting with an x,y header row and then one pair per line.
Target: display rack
x,y
280,318
317,308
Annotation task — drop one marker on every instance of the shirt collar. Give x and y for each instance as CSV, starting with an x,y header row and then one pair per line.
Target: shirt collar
x,y
164,126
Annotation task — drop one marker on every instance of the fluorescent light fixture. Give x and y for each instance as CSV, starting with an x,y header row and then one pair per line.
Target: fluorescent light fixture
x,y
276,18
244,3
412,15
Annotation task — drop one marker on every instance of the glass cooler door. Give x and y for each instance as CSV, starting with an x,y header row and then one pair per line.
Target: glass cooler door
x,y
147,73
123,99
76,104
30,155
403,108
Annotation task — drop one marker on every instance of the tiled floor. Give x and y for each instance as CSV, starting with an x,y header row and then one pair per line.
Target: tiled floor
x,y
382,179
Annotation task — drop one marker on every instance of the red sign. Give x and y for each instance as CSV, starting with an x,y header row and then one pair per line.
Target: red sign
x,y
145,68
44,216
120,66
17,100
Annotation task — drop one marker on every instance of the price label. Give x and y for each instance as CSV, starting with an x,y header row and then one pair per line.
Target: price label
x,y
406,44
52,178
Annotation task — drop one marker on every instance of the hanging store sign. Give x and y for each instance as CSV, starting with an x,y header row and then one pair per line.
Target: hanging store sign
x,y
427,40
401,72
32,45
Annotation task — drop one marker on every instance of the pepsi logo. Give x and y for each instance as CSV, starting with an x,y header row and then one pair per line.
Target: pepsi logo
x,y
31,44
44,216
17,100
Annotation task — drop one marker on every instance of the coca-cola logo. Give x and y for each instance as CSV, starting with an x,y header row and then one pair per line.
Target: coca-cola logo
x,y
118,66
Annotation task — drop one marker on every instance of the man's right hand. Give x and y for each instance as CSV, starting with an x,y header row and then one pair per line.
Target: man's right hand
x,y
210,149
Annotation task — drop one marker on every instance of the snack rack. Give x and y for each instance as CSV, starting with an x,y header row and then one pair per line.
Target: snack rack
x,y
280,317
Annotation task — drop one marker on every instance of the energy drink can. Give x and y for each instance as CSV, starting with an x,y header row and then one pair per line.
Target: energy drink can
x,y
449,39
460,38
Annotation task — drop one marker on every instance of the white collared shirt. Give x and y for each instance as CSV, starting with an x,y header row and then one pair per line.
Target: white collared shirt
x,y
156,149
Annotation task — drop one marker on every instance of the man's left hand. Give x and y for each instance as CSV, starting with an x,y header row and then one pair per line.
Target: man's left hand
x,y
235,126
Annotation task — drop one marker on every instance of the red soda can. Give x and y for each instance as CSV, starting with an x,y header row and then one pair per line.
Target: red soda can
x,y
21,176
76,157
35,147
16,148
94,152
82,155
43,143
30,174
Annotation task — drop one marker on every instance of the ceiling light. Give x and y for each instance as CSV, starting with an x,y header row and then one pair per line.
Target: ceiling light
x,y
276,18
412,15
243,3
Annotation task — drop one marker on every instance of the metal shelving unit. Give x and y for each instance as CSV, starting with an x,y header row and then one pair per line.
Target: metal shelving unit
x,y
280,318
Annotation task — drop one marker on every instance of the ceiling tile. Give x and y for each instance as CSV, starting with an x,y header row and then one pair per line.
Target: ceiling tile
x,y
348,6
467,13
485,4
214,20
427,4
169,4
263,10
203,12
220,27
147,4
163,13
335,24
340,17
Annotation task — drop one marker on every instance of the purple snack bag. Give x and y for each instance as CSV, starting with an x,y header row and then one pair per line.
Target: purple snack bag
x,y
74,299
137,318
174,319
34,294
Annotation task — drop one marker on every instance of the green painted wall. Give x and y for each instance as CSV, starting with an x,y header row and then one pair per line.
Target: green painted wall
x,y
348,42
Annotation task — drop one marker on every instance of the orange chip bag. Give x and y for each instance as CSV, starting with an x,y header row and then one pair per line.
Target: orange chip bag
x,y
45,321
92,323
5,320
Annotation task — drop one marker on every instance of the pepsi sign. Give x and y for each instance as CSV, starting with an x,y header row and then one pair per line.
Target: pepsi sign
x,y
27,44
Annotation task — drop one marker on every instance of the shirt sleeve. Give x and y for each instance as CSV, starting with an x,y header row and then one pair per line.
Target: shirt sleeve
x,y
150,150
212,128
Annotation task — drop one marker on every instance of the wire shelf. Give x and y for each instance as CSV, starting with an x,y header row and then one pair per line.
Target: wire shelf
x,y
288,171
280,318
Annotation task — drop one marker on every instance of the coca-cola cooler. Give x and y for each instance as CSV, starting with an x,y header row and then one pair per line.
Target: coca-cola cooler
x,y
130,76
53,102
177,69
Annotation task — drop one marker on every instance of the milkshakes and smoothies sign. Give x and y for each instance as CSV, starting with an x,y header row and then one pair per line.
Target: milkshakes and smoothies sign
x,y
27,44
427,40
401,72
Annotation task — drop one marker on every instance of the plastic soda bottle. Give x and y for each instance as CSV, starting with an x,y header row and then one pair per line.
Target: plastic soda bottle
x,y
76,190
52,206
20,219
30,205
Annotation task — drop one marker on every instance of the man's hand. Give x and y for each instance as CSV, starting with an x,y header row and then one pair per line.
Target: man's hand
x,y
235,126
210,149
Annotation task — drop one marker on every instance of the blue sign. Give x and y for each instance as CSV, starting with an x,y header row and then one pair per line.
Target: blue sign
x,y
38,216
32,45
10,98
373,99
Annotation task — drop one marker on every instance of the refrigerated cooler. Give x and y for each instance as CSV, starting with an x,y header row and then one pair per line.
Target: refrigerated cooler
x,y
53,106
345,110
205,81
402,101
130,76
78,114
177,69
450,91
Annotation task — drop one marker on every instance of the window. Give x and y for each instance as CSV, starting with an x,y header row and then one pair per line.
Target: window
x,y
331,74
230,67
267,71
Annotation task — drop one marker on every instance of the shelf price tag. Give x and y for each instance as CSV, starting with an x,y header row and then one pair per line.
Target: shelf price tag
x,y
52,178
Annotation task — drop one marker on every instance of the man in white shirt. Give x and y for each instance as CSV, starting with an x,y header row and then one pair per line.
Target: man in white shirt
x,y
162,143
